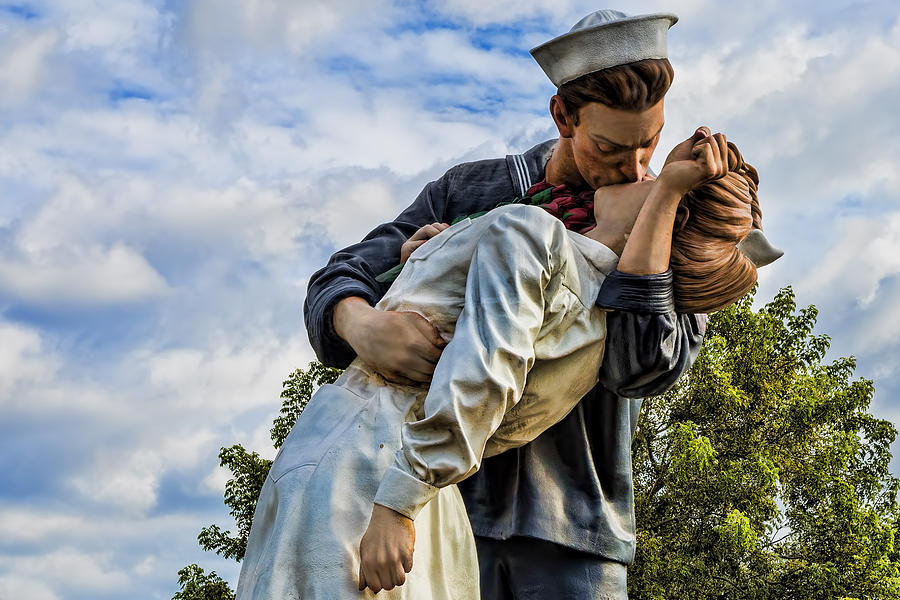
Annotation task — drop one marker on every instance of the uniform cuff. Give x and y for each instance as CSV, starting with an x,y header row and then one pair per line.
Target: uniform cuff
x,y
638,293
404,493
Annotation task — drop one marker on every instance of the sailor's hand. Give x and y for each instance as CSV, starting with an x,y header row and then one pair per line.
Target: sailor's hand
x,y
424,234
403,347
698,159
386,550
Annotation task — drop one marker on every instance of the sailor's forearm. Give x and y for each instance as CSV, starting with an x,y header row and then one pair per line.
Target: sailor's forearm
x,y
348,313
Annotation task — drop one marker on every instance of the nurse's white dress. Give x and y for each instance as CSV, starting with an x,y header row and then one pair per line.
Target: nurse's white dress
x,y
513,291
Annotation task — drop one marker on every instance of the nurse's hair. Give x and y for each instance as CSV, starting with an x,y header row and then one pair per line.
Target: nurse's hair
x,y
710,270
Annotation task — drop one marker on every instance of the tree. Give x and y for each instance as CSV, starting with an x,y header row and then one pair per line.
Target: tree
x,y
761,473
197,585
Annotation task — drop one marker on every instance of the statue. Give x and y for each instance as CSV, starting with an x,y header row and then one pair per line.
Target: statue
x,y
512,292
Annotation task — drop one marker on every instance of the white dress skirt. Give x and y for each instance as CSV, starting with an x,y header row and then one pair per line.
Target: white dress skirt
x,y
513,293
316,502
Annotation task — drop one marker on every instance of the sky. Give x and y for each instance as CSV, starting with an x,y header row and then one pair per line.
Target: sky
x,y
171,173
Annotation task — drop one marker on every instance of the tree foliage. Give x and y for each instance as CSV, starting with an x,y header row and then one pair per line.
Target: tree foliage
x,y
248,472
761,473
197,585
295,394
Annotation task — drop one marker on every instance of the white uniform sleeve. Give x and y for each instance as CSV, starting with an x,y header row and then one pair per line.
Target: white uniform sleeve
x,y
482,371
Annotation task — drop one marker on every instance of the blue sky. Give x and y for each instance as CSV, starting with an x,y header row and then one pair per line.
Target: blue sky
x,y
164,168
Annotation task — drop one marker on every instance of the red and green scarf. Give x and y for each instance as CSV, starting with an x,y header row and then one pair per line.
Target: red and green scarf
x,y
575,210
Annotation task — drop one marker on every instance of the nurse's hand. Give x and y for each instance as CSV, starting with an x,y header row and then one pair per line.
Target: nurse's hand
x,y
698,159
386,550
425,233
403,347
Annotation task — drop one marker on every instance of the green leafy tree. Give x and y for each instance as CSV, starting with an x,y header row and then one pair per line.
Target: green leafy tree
x,y
761,474
197,585
248,472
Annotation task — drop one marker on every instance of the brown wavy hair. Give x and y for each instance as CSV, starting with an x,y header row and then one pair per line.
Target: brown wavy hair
x,y
632,87
709,271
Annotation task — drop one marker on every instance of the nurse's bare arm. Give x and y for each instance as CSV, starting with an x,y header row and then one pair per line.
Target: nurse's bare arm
x,y
699,159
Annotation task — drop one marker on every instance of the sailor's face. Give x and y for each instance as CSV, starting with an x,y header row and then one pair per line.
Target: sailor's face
x,y
612,146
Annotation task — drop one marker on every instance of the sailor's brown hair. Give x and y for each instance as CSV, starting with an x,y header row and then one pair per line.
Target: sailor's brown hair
x,y
633,87
710,272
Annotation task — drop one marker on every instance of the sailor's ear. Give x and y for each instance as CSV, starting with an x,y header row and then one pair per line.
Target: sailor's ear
x,y
758,249
561,117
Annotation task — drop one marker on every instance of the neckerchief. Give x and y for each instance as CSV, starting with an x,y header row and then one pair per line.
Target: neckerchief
x,y
576,211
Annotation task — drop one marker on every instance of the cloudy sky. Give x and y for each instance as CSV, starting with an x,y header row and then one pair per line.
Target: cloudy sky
x,y
171,173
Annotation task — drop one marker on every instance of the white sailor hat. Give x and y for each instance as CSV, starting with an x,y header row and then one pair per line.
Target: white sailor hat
x,y
603,39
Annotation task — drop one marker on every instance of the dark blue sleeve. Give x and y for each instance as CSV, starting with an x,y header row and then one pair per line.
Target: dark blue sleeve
x,y
648,344
464,189
352,272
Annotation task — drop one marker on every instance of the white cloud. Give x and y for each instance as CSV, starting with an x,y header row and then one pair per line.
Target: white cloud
x,y
108,554
215,481
22,526
13,587
726,82
146,566
34,379
867,253
802,101
223,378
881,255
112,28
220,28
373,202
101,554
876,336
94,142
252,217
93,275
80,572
451,51
187,412
507,11
369,129
22,358
23,64
122,482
